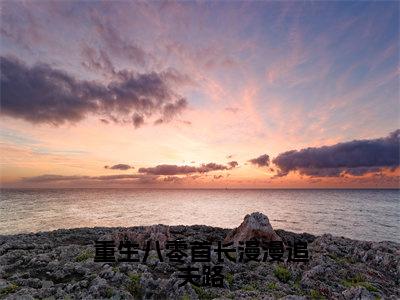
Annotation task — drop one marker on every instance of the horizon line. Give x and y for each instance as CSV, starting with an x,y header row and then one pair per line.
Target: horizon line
x,y
161,188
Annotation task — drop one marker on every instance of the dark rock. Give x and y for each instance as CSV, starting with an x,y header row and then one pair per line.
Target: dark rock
x,y
357,293
255,225
143,234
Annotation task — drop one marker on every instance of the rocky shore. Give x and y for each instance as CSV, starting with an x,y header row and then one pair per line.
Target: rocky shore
x,y
60,265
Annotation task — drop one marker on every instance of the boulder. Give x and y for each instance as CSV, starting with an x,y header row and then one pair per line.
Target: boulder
x,y
254,226
152,233
358,293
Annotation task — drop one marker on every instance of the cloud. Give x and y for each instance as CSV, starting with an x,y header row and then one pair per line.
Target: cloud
x,y
204,168
118,45
119,167
233,164
181,170
173,179
170,110
58,178
137,120
261,161
97,60
41,94
356,158
20,26
52,177
168,170
116,177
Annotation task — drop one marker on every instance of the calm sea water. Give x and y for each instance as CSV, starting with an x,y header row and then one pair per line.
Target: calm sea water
x,y
359,214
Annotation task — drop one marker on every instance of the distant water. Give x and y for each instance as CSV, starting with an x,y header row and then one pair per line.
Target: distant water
x,y
358,214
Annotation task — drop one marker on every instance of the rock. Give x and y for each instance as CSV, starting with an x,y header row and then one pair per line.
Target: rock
x,y
141,235
107,272
47,284
358,293
98,287
3,284
336,269
255,225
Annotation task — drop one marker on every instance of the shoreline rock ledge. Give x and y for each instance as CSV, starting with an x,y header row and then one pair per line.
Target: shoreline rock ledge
x,y
60,265
254,226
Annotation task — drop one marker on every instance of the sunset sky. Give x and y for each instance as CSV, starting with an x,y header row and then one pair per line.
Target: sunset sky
x,y
200,94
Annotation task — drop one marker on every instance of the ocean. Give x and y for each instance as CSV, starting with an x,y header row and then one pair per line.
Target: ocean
x,y
358,214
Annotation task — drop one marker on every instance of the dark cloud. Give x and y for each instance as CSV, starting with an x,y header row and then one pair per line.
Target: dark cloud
x,y
204,168
181,170
168,170
137,120
116,177
261,161
119,167
173,179
170,110
177,179
82,180
97,60
41,94
233,164
357,158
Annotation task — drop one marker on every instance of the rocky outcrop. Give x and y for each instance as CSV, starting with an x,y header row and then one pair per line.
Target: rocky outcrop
x,y
158,233
59,265
254,226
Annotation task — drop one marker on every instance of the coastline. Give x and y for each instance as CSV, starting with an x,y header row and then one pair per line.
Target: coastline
x,y
59,264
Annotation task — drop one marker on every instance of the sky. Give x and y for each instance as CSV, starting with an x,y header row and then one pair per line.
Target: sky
x,y
200,94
